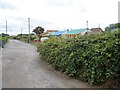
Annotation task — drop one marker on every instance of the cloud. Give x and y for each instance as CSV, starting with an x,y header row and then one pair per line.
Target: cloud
x,y
52,14
58,2
23,22
6,5
16,23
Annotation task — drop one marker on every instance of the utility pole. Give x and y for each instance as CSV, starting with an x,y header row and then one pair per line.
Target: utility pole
x,y
21,30
11,32
29,30
6,27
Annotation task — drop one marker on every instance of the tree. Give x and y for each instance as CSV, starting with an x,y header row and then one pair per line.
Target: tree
x,y
112,27
107,28
117,25
38,30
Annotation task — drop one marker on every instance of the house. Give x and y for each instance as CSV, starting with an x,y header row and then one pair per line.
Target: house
x,y
94,31
59,33
74,33
49,33
52,31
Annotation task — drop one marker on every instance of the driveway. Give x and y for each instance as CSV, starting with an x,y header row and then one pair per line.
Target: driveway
x,y
23,68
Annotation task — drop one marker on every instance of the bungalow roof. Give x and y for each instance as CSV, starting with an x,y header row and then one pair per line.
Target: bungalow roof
x,y
75,31
96,30
52,30
50,33
58,33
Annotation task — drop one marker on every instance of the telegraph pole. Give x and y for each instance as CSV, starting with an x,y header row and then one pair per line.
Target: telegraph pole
x,y
29,30
11,32
21,30
6,27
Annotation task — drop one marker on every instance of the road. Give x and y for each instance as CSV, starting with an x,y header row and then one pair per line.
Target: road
x,y
0,68
23,68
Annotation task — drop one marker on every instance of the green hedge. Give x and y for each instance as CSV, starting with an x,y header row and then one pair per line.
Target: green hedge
x,y
4,40
24,37
93,58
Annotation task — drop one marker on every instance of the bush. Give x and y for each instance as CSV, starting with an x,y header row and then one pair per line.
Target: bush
x,y
3,40
93,58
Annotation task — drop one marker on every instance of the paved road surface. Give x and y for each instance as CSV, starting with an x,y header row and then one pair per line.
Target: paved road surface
x,y
0,68
22,68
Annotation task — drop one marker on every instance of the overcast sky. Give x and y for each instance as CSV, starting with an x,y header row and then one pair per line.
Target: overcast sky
x,y
56,14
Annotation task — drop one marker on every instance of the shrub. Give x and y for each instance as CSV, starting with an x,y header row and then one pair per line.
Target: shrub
x,y
93,58
3,40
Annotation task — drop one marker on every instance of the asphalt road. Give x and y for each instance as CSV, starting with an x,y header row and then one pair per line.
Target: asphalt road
x,y
23,68
0,68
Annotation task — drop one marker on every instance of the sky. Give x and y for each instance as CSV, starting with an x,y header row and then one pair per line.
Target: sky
x,y
56,14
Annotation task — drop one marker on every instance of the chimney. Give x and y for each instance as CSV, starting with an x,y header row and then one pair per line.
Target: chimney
x,y
99,25
87,25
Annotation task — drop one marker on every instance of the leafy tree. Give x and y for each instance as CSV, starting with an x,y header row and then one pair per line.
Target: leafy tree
x,y
107,28
38,30
112,27
117,25
2,34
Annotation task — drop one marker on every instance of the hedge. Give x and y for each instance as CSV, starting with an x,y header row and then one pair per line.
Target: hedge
x,y
93,58
3,40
